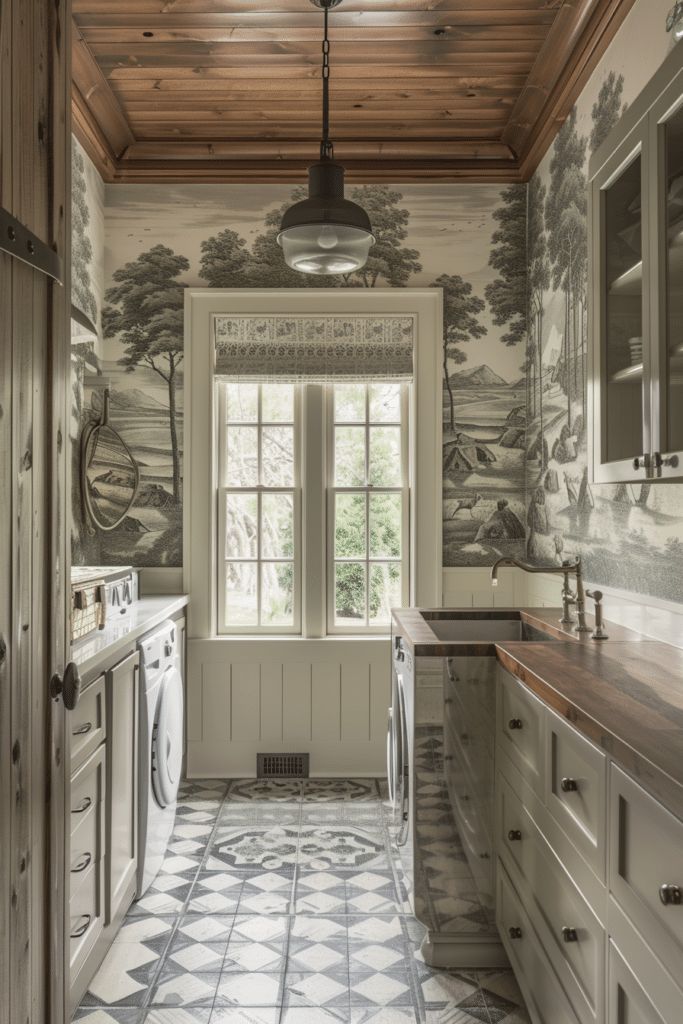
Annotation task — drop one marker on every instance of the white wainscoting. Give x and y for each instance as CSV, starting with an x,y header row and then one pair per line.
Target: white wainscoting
x,y
471,588
328,698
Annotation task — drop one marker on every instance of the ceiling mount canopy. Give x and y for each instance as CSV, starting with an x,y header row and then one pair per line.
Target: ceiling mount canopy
x,y
326,233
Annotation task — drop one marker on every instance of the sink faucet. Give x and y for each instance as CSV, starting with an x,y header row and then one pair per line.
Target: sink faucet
x,y
568,598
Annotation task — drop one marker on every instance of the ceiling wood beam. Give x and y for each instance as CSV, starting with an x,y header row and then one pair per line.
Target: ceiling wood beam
x,y
91,137
579,36
97,96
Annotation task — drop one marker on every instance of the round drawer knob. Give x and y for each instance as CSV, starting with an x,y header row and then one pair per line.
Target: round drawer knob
x,y
514,834
515,723
671,895
569,934
515,933
569,785
448,700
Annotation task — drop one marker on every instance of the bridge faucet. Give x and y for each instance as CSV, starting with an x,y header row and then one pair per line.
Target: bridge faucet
x,y
568,598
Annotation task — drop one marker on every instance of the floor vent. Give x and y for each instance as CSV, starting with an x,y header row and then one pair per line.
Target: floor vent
x,y
282,766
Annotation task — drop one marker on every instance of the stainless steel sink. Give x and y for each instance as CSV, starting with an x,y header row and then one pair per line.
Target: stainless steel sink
x,y
462,625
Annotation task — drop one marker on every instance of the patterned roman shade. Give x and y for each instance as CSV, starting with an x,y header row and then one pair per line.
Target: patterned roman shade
x,y
314,347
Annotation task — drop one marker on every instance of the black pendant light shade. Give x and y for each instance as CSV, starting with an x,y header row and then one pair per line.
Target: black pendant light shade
x,y
326,233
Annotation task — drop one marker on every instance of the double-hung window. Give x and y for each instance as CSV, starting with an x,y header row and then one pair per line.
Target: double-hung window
x,y
358,500
367,508
259,578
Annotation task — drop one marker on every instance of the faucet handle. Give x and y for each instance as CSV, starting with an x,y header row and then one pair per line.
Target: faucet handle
x,y
599,629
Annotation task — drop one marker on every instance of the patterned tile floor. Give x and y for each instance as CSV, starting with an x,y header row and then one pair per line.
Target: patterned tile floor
x,y
279,903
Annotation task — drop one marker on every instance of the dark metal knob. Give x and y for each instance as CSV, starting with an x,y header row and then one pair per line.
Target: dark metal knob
x,y
569,785
671,895
515,723
515,933
68,686
569,934
448,700
640,462
514,834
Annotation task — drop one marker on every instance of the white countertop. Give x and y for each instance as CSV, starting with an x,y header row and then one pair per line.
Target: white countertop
x,y
123,630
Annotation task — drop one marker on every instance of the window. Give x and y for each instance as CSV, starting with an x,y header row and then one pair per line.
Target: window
x,y
359,499
367,505
259,522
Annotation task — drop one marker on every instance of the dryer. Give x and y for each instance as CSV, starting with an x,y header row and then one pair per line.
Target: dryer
x,y
161,747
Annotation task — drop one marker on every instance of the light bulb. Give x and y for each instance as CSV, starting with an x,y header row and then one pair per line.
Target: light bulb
x,y
328,238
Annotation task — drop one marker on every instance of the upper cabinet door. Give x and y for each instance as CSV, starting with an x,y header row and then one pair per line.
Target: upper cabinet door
x,y
666,148
620,271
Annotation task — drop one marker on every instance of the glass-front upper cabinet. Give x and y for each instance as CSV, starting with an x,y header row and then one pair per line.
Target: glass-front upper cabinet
x,y
636,288
666,131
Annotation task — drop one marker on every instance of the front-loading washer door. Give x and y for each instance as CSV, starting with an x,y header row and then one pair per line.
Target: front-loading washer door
x,y
167,738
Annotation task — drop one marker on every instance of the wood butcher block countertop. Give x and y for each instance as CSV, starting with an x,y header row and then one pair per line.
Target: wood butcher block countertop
x,y
625,693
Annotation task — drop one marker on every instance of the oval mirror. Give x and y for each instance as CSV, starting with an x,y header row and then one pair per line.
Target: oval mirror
x,y
109,473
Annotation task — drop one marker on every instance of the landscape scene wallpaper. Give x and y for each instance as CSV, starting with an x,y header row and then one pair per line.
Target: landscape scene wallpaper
x,y
512,265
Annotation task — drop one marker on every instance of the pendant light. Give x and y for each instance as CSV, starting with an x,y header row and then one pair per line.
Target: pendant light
x,y
326,233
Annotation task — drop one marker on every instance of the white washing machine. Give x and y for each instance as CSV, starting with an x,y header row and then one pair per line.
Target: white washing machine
x,y
161,747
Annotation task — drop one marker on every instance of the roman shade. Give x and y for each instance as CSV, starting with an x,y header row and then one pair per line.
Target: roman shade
x,y
313,348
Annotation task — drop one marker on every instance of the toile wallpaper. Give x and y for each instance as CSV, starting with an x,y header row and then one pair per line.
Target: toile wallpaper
x,y
629,537
467,239
512,265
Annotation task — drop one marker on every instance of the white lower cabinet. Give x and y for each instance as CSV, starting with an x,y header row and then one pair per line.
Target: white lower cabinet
x,y
542,991
589,877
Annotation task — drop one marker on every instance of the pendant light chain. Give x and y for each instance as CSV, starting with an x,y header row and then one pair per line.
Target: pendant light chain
x,y
326,147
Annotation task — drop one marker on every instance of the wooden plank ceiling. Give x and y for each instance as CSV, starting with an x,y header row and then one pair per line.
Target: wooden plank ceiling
x,y
229,90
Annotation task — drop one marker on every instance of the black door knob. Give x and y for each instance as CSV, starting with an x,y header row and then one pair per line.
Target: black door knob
x,y
514,834
515,723
569,785
515,933
68,686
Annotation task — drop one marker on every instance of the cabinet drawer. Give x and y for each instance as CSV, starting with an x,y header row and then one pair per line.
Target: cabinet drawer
x,y
628,1003
542,991
572,936
86,790
86,723
576,789
519,728
646,854
85,843
85,917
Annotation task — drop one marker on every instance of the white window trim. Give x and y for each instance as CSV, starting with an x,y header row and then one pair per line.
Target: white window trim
x,y
200,513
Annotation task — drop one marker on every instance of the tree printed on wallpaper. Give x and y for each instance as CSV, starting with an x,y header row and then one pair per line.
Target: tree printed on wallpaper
x,y
82,294
626,534
485,419
483,412
145,315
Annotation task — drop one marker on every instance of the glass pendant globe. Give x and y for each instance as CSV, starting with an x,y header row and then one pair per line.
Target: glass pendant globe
x,y
324,248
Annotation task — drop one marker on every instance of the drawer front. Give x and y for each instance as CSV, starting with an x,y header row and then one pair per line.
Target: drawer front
x,y
540,987
576,790
85,843
519,728
646,855
627,1002
86,918
85,860
86,723
86,789
572,936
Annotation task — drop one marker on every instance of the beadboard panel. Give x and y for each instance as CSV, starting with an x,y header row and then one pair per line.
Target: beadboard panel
x,y
325,697
470,587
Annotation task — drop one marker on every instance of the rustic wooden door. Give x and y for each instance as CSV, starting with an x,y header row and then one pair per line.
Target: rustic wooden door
x,y
34,565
